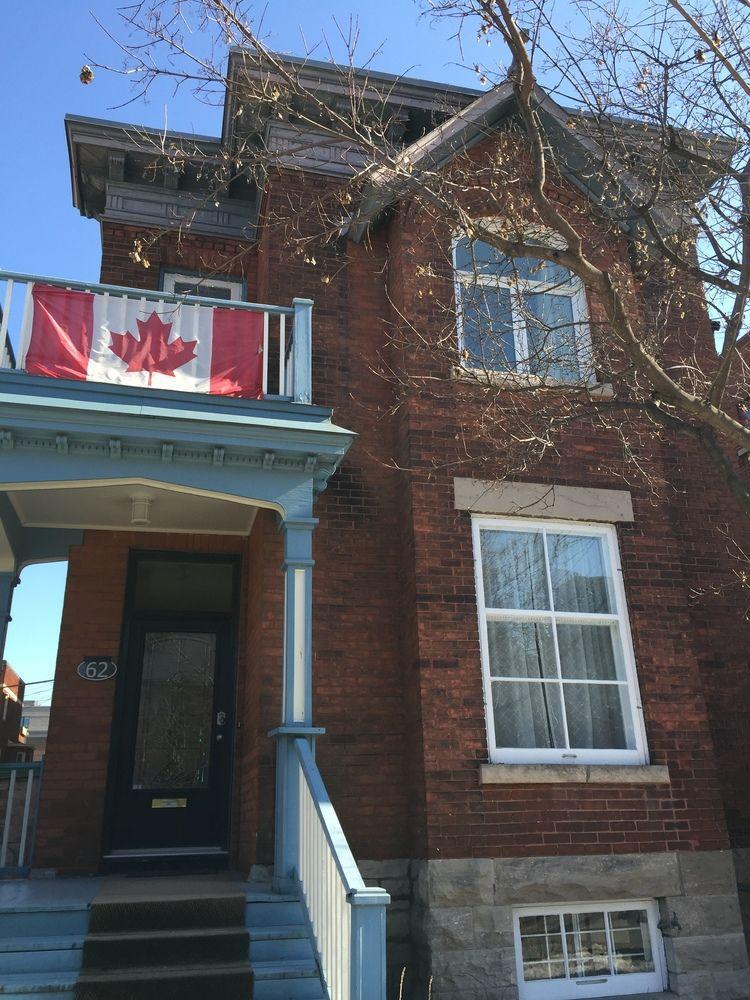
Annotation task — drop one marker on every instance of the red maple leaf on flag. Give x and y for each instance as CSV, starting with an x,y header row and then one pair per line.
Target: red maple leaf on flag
x,y
151,351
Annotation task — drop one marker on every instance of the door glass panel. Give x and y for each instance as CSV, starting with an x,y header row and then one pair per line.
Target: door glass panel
x,y
173,741
172,585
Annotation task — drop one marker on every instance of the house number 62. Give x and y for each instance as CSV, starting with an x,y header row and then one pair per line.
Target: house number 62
x,y
96,668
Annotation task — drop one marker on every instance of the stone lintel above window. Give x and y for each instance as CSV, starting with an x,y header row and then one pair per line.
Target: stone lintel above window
x,y
575,503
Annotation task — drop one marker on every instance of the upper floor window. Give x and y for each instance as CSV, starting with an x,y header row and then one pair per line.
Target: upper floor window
x,y
205,287
522,315
607,948
559,672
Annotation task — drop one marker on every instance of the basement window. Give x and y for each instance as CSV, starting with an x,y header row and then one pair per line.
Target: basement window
x,y
523,316
557,658
591,949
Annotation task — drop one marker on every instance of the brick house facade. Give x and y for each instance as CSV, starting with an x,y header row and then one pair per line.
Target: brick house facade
x,y
467,846
12,738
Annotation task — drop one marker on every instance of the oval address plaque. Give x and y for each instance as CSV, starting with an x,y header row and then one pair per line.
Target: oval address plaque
x,y
96,668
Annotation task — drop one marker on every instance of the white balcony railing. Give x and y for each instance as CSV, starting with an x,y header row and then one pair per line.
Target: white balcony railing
x,y
347,918
19,801
287,330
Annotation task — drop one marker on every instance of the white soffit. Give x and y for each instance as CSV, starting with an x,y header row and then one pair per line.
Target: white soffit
x,y
110,508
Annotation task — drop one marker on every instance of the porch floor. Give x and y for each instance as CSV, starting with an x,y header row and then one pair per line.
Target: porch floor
x,y
44,922
49,894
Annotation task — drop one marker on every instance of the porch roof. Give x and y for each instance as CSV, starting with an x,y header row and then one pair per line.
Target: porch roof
x,y
56,433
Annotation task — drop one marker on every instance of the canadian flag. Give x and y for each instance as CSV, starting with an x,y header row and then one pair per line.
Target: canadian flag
x,y
111,338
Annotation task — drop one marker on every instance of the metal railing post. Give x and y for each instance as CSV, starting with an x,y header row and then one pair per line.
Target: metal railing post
x,y
18,815
302,350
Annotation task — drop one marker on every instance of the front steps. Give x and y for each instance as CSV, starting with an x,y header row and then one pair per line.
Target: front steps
x,y
42,930
50,930
281,952
166,939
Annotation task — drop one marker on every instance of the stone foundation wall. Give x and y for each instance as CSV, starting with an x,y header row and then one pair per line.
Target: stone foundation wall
x,y
396,878
452,920
742,867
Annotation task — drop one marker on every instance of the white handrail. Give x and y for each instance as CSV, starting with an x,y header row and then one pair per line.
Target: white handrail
x,y
347,918
287,354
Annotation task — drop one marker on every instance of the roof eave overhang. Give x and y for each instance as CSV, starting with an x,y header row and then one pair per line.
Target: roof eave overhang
x,y
81,130
471,126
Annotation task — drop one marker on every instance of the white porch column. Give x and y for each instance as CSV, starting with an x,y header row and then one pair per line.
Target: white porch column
x,y
296,709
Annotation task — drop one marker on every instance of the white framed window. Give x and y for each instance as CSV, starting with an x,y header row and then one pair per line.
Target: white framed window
x,y
205,287
588,949
520,315
557,657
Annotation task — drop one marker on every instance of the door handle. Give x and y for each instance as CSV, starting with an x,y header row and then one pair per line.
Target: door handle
x,y
221,721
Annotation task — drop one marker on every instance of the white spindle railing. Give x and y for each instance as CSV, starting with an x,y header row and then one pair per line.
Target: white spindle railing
x,y
287,345
19,801
347,918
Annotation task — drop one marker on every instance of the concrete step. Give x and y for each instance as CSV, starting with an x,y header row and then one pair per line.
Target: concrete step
x,y
20,986
230,981
123,950
287,980
157,913
274,910
37,922
274,943
61,953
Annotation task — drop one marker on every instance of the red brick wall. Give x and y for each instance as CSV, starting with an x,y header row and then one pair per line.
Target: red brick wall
x,y
203,254
460,817
714,538
357,667
12,712
259,695
397,677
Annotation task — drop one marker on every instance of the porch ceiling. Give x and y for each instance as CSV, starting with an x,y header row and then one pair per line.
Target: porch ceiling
x,y
110,507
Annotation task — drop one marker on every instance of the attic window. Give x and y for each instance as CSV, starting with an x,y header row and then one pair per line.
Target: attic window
x,y
524,314
204,286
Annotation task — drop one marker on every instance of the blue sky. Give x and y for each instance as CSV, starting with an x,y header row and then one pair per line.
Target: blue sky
x,y
45,45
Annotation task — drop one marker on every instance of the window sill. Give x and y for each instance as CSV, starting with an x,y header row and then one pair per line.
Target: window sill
x,y
573,774
514,380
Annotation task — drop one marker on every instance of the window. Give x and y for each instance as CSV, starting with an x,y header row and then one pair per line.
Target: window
x,y
611,949
204,287
560,683
521,315
167,586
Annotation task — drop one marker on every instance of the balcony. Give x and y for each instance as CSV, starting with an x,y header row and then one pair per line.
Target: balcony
x,y
286,330
79,450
